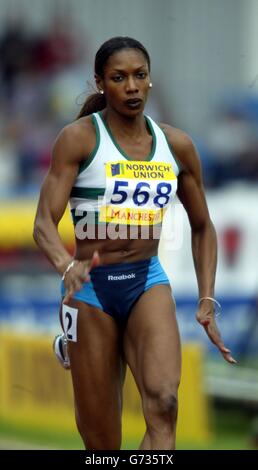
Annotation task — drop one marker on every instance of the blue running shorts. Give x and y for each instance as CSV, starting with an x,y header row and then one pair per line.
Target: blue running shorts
x,y
115,288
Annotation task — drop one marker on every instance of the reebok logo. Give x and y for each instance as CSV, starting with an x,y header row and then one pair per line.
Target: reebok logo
x,y
122,277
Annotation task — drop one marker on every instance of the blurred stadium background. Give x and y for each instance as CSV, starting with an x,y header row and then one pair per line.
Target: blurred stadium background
x,y
205,81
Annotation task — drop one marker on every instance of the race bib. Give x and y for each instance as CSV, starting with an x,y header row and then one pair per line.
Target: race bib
x,y
137,193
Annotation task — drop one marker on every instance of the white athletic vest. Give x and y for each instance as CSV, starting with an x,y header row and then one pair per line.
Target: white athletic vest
x,y
112,187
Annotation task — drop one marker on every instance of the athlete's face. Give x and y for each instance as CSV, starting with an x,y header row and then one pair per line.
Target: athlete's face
x,y
126,81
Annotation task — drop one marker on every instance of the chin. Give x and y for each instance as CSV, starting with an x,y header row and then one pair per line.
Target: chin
x,y
132,112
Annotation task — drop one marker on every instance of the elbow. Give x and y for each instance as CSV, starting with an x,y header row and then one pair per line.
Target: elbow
x,y
202,226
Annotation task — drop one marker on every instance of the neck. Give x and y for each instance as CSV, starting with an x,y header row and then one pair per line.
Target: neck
x,y
124,125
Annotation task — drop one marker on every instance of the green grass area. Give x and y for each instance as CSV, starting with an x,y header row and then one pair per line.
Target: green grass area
x,y
39,437
232,431
224,442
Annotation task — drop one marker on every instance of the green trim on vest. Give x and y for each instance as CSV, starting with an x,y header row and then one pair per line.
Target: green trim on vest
x,y
172,150
87,193
154,140
77,218
83,165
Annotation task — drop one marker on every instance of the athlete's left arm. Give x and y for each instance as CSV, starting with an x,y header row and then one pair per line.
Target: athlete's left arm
x,y
204,240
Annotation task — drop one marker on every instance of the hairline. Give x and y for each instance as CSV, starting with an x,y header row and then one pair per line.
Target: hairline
x,y
124,48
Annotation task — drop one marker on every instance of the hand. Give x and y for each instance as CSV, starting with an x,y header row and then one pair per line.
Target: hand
x,y
205,316
79,274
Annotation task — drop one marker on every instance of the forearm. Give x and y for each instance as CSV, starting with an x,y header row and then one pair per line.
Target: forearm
x,y
49,241
204,248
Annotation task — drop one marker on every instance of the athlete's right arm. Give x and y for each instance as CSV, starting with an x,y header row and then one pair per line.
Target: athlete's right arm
x,y
70,148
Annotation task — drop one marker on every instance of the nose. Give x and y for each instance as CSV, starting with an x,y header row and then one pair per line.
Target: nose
x,y
131,85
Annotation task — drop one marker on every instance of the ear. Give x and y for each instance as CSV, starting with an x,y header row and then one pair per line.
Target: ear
x,y
99,82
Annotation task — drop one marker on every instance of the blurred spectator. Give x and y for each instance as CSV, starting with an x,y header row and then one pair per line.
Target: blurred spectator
x,y
41,77
9,174
15,54
231,243
231,147
58,49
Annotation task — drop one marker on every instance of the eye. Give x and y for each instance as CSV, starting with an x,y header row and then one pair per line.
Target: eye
x,y
141,75
117,78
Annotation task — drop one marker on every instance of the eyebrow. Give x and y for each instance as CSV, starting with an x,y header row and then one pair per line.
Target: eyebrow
x,y
123,70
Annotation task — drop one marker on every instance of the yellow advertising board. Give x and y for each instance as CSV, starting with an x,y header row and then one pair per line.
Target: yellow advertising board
x,y
37,393
17,219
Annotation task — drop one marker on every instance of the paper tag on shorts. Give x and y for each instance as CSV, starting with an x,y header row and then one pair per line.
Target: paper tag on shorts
x,y
69,319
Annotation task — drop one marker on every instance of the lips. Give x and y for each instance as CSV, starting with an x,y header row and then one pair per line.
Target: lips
x,y
133,102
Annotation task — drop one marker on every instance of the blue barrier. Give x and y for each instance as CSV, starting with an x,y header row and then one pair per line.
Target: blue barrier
x,y
238,321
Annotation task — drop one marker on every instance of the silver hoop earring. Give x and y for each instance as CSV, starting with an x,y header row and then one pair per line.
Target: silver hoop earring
x,y
101,92
150,85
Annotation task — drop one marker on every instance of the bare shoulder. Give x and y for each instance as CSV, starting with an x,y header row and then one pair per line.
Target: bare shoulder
x,y
76,140
183,146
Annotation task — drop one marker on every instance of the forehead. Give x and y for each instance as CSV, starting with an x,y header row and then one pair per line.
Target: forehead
x,y
126,58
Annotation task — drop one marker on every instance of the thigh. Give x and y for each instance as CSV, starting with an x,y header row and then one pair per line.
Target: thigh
x,y
152,343
97,367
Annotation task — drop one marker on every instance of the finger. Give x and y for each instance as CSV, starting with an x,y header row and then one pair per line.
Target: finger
x,y
77,285
84,277
95,260
67,299
229,358
226,353
213,334
68,296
